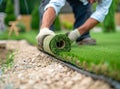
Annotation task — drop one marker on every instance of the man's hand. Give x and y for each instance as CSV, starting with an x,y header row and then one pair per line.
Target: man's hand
x,y
73,35
43,32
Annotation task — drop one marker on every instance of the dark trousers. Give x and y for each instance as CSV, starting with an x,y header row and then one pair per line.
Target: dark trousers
x,y
81,14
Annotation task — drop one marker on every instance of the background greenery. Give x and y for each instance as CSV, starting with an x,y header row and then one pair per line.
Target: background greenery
x,y
109,22
23,9
35,18
9,10
57,24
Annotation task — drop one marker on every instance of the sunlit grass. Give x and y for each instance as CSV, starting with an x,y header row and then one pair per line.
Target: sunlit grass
x,y
30,36
103,58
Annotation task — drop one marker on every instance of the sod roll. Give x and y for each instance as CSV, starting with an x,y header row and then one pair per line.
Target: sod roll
x,y
54,44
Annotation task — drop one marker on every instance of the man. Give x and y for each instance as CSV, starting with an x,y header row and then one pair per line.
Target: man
x,y
84,19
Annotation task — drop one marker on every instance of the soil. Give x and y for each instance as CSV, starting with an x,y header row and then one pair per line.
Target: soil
x,y
3,55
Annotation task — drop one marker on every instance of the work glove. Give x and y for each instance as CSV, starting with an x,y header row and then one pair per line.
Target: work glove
x,y
73,35
42,34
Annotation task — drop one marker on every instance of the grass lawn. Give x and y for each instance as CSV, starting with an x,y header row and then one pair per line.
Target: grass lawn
x,y
103,58
30,36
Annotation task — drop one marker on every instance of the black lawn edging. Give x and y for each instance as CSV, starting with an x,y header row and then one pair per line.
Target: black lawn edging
x,y
115,84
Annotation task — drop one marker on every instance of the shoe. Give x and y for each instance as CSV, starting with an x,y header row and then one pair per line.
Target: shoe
x,y
87,41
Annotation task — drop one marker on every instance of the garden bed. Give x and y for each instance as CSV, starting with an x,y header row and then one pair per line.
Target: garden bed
x,y
33,69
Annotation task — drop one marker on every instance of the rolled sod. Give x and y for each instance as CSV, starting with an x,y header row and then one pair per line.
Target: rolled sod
x,y
55,44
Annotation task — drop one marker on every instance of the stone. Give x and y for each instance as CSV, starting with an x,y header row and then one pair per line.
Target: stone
x,y
2,44
2,25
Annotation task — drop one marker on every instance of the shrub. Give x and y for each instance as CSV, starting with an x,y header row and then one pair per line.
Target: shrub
x,y
23,5
21,27
9,12
8,18
35,18
109,22
28,8
57,24
2,5
67,25
117,5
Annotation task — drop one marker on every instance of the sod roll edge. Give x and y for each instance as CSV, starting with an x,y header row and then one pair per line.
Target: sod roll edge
x,y
54,44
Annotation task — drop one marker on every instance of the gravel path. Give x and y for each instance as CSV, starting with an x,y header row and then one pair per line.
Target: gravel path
x,y
35,70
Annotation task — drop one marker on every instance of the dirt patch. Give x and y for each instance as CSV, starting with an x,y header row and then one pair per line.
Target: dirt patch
x,y
4,54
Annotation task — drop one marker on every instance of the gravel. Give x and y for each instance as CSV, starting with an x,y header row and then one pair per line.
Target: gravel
x,y
33,69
